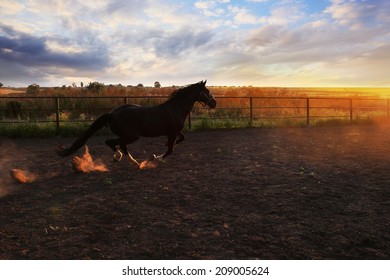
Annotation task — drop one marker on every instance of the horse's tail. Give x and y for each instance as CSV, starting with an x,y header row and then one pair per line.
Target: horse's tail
x,y
95,126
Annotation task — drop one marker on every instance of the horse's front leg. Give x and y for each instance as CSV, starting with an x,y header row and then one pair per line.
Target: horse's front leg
x,y
180,138
112,143
171,144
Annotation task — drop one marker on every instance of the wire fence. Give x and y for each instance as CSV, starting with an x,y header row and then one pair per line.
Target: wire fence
x,y
252,110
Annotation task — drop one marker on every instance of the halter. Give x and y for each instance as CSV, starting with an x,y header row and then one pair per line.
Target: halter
x,y
201,103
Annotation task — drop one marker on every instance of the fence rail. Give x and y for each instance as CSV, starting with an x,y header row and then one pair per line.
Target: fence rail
x,y
253,109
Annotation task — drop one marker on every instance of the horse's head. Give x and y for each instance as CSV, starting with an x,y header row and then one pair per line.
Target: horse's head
x,y
205,97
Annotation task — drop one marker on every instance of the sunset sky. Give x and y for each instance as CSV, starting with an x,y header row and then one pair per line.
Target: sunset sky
x,y
289,43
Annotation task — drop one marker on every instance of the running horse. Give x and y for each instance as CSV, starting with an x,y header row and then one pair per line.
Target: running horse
x,y
129,122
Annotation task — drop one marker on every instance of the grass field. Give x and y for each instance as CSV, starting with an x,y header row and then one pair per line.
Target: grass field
x,y
216,90
12,91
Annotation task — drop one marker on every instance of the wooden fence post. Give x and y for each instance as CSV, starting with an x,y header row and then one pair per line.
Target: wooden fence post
x,y
307,112
251,110
189,121
350,110
57,102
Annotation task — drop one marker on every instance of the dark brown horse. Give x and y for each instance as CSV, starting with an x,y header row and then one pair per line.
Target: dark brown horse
x,y
130,122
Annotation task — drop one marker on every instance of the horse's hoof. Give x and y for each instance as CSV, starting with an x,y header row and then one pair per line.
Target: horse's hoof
x,y
157,158
117,156
61,150
116,159
152,157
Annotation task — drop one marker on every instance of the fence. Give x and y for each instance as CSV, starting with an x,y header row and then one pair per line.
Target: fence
x,y
253,110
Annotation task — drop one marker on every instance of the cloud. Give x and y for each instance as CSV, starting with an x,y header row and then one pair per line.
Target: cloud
x,y
358,13
324,51
175,43
28,50
124,7
204,5
243,15
212,8
306,44
25,56
119,41
285,13
10,7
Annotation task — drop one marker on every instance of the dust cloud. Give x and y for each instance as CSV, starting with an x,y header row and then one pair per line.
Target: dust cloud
x,y
23,176
9,175
86,164
148,164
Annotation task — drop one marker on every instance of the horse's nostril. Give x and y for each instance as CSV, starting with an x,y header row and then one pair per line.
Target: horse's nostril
x,y
212,104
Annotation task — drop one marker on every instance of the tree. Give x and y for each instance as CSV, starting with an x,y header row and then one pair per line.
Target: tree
x,y
33,89
1,85
95,87
140,85
157,84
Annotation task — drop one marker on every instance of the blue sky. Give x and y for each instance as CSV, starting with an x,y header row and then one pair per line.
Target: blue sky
x,y
297,43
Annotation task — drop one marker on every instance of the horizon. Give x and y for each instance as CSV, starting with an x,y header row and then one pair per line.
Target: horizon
x,y
211,86
258,43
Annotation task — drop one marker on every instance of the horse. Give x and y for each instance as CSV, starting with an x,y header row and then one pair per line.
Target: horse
x,y
130,122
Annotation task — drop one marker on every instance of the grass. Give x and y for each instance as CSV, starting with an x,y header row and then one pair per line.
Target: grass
x,y
28,130
74,129
212,124
46,130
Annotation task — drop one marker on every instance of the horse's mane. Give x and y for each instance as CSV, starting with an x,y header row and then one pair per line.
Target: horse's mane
x,y
183,90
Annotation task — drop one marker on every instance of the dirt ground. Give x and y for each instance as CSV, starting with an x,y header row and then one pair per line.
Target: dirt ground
x,y
290,193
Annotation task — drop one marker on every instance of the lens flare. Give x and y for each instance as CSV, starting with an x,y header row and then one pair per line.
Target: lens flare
x,y
23,176
86,164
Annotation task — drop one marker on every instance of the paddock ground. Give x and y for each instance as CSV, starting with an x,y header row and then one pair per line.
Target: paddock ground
x,y
288,193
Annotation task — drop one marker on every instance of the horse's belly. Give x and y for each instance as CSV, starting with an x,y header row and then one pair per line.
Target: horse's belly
x,y
152,129
147,133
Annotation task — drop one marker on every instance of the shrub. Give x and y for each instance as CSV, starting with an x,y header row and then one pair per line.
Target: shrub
x,y
14,109
63,117
95,87
33,89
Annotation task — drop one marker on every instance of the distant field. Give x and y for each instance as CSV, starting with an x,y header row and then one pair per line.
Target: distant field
x,y
306,92
5,91
216,90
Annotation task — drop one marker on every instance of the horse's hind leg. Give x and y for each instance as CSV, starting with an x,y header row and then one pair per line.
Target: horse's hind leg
x,y
171,144
124,149
112,143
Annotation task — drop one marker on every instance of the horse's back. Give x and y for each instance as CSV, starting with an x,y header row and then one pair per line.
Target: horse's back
x,y
140,120
124,107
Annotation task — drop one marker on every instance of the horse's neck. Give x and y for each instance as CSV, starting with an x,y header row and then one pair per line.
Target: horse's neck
x,y
183,104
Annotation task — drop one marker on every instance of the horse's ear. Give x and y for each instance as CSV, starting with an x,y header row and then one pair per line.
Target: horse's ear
x,y
204,83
